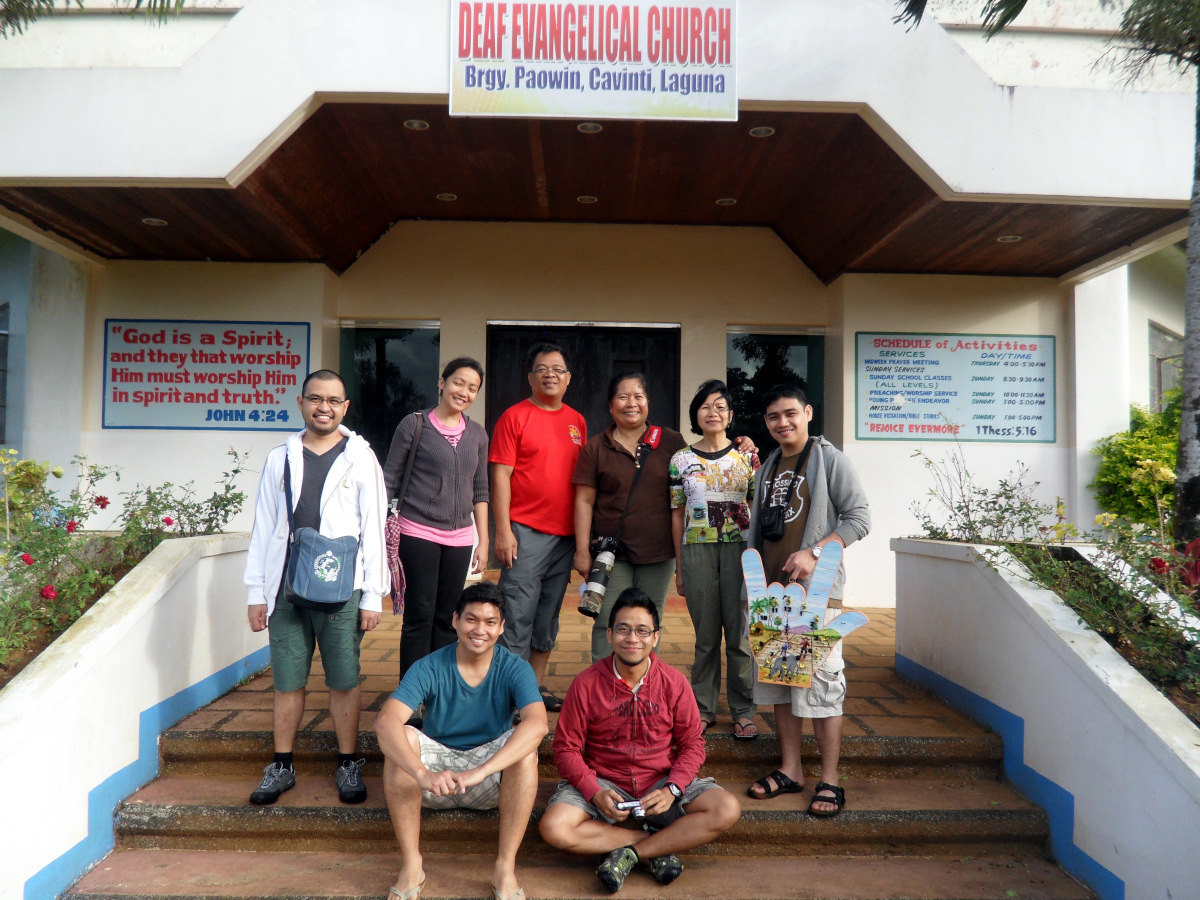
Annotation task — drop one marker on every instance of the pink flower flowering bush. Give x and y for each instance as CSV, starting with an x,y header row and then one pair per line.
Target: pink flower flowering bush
x,y
54,567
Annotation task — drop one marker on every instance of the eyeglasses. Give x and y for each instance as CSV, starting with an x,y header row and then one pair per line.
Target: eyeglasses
x,y
641,631
315,400
716,407
544,370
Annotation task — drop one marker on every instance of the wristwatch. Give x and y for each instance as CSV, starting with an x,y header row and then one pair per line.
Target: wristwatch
x,y
675,790
816,549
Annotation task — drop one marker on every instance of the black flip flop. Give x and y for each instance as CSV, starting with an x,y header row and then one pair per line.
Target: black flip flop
x,y
553,701
747,732
784,785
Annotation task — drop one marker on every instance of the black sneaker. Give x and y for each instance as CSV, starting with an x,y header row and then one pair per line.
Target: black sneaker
x,y
665,869
277,778
348,777
613,869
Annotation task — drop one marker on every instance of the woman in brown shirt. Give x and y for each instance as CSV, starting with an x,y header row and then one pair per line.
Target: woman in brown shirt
x,y
609,504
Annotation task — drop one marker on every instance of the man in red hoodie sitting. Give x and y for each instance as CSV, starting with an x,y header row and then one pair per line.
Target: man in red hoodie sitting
x,y
629,746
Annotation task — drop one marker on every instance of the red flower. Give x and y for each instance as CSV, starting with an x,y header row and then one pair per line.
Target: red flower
x,y
1158,565
71,526
27,559
168,521
101,502
48,592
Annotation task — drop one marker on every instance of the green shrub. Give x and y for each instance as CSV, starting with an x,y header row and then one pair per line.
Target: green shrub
x,y
1116,594
51,569
1136,480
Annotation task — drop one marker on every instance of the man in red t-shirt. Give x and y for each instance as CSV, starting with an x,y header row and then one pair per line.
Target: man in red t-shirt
x,y
533,452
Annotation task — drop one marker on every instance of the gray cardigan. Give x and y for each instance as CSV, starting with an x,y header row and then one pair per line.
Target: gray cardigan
x,y
446,481
837,502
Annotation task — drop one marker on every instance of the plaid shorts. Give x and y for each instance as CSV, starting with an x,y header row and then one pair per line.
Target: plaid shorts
x,y
439,758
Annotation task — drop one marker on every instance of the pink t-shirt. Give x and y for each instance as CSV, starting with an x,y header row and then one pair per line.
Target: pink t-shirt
x,y
452,433
459,537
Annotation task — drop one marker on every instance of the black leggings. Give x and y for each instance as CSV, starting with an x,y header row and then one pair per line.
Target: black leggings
x,y
434,575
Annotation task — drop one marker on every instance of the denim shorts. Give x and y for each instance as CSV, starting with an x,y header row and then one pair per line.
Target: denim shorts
x,y
567,793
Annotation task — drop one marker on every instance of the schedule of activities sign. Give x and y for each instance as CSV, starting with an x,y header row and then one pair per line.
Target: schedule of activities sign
x,y
241,376
944,387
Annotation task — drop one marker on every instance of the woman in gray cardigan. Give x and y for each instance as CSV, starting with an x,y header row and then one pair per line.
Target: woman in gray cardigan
x,y
444,510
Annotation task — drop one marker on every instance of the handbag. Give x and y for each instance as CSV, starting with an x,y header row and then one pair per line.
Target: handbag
x,y
320,570
391,529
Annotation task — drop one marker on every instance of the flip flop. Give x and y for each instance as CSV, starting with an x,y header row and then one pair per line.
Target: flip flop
x,y
784,785
518,894
838,799
413,894
553,704
744,729
705,724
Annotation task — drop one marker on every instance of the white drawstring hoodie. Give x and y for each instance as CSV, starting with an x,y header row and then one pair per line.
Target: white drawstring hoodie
x,y
352,503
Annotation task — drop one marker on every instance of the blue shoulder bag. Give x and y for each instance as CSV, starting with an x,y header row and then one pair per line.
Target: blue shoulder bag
x,y
320,570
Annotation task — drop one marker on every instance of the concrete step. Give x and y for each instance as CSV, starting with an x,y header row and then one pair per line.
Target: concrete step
x,y
244,753
915,816
189,875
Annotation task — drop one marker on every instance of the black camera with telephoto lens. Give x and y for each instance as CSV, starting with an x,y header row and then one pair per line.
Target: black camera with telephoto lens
x,y
605,550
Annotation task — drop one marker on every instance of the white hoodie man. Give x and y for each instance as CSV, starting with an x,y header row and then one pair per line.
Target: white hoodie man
x,y
336,487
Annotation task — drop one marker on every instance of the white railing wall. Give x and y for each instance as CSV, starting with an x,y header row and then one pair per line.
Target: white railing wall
x,y
1114,763
79,727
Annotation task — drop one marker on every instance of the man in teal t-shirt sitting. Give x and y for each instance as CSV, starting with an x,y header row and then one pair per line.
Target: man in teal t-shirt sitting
x,y
469,754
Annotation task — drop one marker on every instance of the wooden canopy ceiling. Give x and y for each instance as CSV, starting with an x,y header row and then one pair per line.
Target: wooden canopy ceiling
x,y
832,189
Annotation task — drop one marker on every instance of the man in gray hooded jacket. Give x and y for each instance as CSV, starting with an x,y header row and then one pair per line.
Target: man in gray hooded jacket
x,y
806,495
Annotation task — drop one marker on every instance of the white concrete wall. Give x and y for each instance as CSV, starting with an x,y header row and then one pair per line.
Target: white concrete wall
x,y
1060,43
1115,765
1156,285
55,381
213,117
1101,313
86,714
112,34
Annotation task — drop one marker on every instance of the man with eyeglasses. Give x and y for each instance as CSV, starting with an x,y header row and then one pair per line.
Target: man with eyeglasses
x,y
629,746
336,488
533,452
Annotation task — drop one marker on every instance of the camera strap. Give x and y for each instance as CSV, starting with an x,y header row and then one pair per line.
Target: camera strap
x,y
801,465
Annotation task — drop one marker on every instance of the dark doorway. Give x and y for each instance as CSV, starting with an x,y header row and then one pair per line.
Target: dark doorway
x,y
756,362
389,372
595,354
